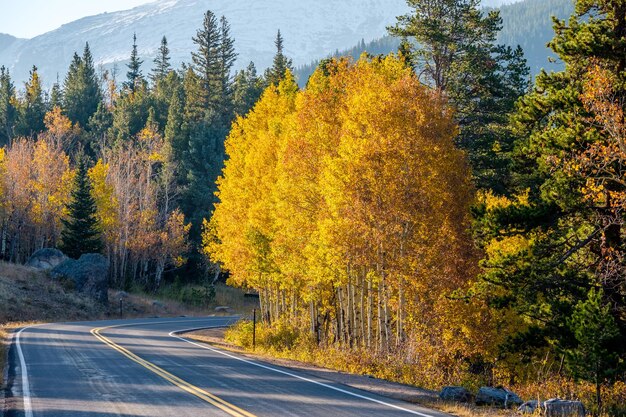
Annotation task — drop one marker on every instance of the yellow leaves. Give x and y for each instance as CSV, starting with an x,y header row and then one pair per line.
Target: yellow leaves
x,y
35,186
507,246
493,201
58,125
106,201
357,174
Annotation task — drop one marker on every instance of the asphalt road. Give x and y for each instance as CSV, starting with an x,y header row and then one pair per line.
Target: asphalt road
x,y
143,368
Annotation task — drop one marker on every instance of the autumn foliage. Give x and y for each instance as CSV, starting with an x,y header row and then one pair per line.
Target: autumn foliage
x,y
346,206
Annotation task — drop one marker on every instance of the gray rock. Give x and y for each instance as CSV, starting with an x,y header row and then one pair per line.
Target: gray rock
x,y
529,407
556,407
499,397
46,259
88,274
458,394
222,309
157,304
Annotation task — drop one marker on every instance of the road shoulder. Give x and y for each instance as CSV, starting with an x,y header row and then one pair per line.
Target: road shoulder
x,y
393,390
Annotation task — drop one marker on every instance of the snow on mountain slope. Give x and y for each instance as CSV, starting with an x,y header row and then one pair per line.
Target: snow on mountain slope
x,y
311,28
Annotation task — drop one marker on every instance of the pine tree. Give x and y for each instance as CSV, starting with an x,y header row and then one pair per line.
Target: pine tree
x,y
207,63
561,232
99,127
161,63
227,60
81,231
594,357
56,96
81,89
247,89
202,162
280,65
174,134
8,111
134,74
453,49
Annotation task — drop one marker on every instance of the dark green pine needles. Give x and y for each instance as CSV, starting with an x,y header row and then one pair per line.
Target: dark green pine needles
x,y
81,230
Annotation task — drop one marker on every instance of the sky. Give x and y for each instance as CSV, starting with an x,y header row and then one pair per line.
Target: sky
x,y
29,18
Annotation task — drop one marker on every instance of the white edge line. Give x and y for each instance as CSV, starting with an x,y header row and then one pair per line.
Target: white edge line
x,y
28,407
363,397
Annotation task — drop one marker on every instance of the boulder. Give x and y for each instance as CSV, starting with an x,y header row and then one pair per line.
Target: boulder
x,y
458,394
46,259
497,396
556,407
529,407
88,275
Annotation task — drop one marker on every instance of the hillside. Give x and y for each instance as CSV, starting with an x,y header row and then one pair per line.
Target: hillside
x,y
527,23
310,29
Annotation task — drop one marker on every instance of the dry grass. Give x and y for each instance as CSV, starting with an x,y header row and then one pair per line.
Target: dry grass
x,y
467,410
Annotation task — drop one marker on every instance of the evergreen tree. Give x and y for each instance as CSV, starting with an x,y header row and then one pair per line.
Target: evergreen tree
x,y
247,89
174,134
8,111
453,49
203,161
161,63
134,74
227,60
594,357
276,73
32,108
99,127
56,97
81,89
207,64
561,232
81,230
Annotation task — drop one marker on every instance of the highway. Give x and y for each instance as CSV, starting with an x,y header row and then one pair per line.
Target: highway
x,y
143,367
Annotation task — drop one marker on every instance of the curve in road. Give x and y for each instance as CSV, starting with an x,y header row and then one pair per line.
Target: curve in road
x,y
145,368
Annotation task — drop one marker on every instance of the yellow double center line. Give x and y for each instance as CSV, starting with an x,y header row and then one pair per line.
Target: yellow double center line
x,y
227,407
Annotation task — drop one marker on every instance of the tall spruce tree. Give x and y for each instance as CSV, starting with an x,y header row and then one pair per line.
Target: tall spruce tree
x,y
561,234
452,45
81,231
161,63
247,89
134,75
206,63
8,110
227,60
81,89
56,95
276,73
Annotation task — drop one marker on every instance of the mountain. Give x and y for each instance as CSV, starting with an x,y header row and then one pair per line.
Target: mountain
x,y
310,28
527,23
